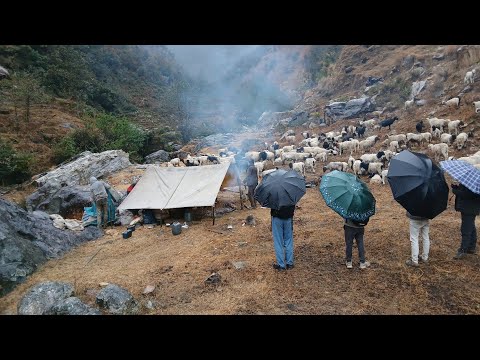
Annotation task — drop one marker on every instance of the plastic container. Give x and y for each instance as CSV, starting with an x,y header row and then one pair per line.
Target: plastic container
x,y
176,228
188,217
127,234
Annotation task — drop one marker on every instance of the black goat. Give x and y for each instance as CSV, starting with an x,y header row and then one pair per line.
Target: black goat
x,y
419,126
360,130
388,122
263,156
213,159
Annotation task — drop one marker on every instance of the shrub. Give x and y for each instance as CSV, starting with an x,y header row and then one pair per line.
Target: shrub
x,y
15,167
64,150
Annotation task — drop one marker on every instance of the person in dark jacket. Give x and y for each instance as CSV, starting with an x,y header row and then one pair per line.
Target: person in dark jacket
x,y
355,230
468,203
419,226
251,181
282,230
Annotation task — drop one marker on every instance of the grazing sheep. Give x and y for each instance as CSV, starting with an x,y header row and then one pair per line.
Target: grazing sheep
x,y
290,139
469,77
394,146
414,138
350,161
357,169
452,102
439,150
461,140
454,126
375,168
427,136
439,123
175,162
298,167
447,138
252,155
321,156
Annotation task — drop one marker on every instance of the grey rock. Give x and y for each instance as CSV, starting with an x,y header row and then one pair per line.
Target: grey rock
x,y
117,300
373,80
417,88
273,118
159,156
420,102
438,57
349,69
408,61
72,306
64,201
43,296
466,89
238,265
350,109
77,172
28,240
3,72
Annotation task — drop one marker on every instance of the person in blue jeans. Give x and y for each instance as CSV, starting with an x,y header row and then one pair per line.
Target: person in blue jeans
x,y
282,230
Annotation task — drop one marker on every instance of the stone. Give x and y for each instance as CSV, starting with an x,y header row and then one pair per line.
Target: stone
x,y
148,289
438,57
72,306
117,300
350,109
27,240
238,265
417,88
43,296
159,156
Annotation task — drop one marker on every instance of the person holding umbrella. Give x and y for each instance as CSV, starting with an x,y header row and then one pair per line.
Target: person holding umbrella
x,y
351,198
467,202
280,191
420,187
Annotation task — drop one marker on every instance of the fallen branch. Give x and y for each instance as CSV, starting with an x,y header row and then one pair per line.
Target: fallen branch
x,y
92,257
216,231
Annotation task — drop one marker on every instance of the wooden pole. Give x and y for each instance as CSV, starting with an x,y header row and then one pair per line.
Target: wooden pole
x,y
213,212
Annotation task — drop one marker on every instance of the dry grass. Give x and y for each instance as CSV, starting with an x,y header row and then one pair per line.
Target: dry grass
x,y
319,283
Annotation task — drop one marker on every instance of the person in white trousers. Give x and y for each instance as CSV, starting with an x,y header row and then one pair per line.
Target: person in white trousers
x,y
418,227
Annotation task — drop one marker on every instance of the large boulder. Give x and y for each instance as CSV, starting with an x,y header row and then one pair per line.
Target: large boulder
x,y
64,201
159,156
117,300
72,306
42,297
77,172
350,109
28,240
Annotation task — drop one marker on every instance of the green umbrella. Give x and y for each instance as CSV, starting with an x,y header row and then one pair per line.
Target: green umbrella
x,y
347,195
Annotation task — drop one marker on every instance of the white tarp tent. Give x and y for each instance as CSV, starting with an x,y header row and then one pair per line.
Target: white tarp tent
x,y
176,187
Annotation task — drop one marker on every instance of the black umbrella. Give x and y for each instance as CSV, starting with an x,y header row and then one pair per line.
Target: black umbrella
x,y
280,188
418,184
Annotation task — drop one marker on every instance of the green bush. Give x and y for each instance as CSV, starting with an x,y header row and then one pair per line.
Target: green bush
x,y
64,150
15,167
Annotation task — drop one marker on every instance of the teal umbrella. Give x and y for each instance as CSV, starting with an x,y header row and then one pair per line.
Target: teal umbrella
x,y
347,195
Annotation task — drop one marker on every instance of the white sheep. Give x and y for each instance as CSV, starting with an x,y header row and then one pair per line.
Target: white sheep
x,y
477,106
290,139
299,167
321,156
357,169
439,149
461,140
447,138
393,145
454,125
310,164
375,168
376,179
175,162
384,176
427,136
409,104
469,77
452,102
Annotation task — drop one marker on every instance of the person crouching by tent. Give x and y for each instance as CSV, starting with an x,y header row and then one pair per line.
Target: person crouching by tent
x,y
468,204
251,181
99,197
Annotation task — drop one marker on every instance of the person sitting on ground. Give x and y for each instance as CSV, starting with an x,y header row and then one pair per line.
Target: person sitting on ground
x,y
418,226
100,197
355,230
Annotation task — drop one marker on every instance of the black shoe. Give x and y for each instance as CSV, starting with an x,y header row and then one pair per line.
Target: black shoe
x,y
289,267
460,255
474,251
278,267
